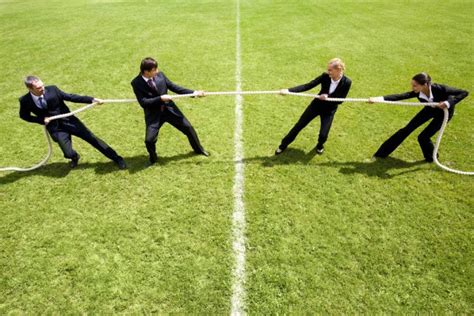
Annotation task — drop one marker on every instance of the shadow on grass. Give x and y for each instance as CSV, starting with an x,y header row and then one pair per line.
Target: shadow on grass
x,y
288,157
53,170
61,169
376,168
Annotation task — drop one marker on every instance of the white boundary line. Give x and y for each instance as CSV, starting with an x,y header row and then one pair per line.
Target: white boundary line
x,y
238,215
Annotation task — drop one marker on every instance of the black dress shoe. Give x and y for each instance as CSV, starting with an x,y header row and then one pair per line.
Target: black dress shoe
x,y
430,159
204,153
75,161
319,149
121,164
153,158
279,150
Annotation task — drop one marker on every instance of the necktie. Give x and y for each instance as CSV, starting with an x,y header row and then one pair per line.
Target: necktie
x,y
42,103
151,84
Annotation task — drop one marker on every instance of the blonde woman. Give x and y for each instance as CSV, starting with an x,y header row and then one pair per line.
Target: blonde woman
x,y
334,84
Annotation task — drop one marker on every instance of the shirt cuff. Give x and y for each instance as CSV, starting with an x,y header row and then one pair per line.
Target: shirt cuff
x,y
378,99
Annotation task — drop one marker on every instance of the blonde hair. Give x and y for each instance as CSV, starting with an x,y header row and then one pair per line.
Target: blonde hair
x,y
338,63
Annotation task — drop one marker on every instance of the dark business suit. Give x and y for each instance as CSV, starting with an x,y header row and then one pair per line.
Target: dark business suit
x,y
62,129
440,93
325,109
158,112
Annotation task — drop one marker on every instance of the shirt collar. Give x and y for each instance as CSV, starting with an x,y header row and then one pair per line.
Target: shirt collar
x,y
146,79
424,96
35,98
336,81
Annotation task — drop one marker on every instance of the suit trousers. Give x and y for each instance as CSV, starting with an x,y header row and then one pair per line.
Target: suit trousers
x,y
181,123
63,129
424,138
325,112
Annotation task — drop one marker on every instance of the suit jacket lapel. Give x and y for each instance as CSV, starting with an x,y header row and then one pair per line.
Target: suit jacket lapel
x,y
340,85
33,107
47,97
436,93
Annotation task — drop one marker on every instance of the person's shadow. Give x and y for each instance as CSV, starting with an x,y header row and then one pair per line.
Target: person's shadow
x,y
288,157
375,168
61,169
379,167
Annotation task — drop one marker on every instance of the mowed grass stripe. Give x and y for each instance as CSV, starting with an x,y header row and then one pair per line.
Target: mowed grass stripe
x,y
337,232
94,240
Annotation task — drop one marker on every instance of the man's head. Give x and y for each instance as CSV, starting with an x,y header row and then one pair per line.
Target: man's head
x,y
336,68
149,67
35,85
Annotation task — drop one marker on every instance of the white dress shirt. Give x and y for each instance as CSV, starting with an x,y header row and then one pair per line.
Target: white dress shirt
x,y
430,98
333,85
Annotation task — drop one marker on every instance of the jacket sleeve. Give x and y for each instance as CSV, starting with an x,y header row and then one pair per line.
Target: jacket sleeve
x,y
455,95
401,96
25,114
310,85
175,88
144,100
73,97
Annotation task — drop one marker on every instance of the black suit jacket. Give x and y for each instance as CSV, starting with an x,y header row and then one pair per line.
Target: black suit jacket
x,y
341,91
440,92
150,100
54,98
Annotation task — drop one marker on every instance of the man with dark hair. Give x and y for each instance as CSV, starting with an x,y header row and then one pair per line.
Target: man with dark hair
x,y
151,88
48,101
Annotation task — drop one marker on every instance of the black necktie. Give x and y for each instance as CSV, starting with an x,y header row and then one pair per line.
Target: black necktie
x,y
42,103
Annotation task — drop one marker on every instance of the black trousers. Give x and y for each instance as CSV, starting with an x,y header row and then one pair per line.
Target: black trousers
x,y
180,122
326,113
61,131
424,138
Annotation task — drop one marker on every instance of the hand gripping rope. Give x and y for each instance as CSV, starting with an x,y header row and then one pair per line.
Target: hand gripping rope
x,y
179,96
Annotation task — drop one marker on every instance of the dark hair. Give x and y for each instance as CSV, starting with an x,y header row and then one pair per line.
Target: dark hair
x,y
29,80
148,64
422,78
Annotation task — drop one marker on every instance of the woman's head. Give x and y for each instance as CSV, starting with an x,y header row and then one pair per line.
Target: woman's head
x,y
420,82
336,68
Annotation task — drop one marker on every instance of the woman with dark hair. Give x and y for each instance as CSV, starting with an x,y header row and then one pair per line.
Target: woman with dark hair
x,y
425,91
334,84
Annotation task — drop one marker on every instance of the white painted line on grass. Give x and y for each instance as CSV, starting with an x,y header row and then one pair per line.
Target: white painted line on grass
x,y
238,216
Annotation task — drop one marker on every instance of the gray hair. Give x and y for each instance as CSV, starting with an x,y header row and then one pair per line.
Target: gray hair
x,y
29,80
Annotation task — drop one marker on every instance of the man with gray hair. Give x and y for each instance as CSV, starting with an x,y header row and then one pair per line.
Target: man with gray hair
x,y
40,103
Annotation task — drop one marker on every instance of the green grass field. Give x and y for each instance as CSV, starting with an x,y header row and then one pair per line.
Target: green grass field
x,y
336,233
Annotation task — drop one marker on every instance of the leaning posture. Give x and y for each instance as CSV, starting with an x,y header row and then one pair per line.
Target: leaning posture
x,y
334,84
151,88
40,103
425,91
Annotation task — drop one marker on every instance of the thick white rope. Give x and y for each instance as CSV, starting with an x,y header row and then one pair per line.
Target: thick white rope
x,y
48,138
179,96
436,148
